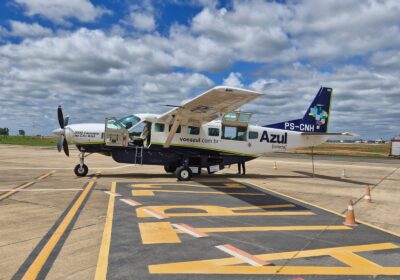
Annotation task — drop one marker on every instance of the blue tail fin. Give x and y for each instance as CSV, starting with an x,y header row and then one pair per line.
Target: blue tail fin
x,y
316,118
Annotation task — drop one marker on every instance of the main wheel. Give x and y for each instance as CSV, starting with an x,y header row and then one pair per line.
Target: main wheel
x,y
81,171
183,173
169,168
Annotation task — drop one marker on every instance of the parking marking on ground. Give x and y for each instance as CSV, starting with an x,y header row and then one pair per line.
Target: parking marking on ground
x,y
102,262
286,237
152,192
213,211
10,192
233,266
40,260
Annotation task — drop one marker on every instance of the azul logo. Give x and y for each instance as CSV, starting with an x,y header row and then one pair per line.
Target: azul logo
x,y
319,114
274,138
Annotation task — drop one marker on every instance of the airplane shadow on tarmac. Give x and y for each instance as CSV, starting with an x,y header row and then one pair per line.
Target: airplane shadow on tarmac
x,y
262,199
195,178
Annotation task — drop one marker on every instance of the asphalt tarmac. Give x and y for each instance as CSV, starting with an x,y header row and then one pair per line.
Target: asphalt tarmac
x,y
136,222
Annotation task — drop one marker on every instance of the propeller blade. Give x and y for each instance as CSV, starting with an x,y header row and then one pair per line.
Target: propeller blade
x,y
65,147
66,119
60,117
60,142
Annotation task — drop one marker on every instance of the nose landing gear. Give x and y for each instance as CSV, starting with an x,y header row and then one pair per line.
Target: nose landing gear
x,y
81,169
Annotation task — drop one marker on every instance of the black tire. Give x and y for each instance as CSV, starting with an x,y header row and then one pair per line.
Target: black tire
x,y
183,173
81,172
169,168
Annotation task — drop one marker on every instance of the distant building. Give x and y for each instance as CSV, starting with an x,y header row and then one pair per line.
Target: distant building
x,y
395,147
380,141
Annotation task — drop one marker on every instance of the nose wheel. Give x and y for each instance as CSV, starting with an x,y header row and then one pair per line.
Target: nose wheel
x,y
81,169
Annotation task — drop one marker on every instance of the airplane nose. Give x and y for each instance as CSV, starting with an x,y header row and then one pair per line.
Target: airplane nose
x,y
58,131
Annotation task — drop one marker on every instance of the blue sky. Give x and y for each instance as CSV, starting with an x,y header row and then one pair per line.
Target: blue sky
x,y
114,58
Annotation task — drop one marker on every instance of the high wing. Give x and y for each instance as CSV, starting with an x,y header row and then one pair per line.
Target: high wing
x,y
207,107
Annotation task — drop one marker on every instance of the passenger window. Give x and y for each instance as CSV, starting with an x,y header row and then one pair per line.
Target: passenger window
x,y
159,127
234,133
213,131
177,131
253,135
193,130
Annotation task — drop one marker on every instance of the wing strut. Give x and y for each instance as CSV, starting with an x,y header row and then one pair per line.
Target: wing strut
x,y
172,132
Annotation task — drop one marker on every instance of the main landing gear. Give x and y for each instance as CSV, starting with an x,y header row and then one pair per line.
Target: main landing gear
x,y
183,173
81,169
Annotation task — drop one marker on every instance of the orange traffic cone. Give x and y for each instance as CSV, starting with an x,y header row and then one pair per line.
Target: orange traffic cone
x,y
275,166
367,196
350,218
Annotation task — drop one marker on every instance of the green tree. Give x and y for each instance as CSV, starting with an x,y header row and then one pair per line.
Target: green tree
x,y
4,131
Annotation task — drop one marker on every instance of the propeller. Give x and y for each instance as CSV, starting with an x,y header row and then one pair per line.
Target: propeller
x,y
62,142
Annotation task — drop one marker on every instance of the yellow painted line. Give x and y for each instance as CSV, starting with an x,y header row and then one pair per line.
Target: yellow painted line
x,y
46,175
155,233
102,261
160,185
328,210
42,257
353,260
213,211
151,192
162,232
11,192
273,228
262,207
234,266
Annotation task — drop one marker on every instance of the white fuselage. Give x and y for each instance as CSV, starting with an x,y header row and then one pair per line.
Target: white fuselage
x,y
258,139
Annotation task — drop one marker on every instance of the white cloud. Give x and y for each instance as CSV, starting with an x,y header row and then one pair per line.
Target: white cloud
x,y
233,80
59,11
26,30
143,22
135,71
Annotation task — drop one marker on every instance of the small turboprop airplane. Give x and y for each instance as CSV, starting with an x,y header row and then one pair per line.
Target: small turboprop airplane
x,y
204,132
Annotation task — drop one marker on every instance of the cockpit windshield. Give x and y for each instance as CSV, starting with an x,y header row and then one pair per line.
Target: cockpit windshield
x,y
129,121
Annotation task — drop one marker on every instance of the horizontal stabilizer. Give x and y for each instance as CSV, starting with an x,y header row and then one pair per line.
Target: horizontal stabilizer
x,y
339,134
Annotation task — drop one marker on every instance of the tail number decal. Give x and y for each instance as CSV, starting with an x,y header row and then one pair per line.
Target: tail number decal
x,y
301,127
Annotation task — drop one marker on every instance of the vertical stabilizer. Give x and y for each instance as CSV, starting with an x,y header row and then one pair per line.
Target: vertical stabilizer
x,y
315,119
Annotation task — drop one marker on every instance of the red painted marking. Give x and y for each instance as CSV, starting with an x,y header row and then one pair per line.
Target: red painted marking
x,y
197,232
250,259
155,213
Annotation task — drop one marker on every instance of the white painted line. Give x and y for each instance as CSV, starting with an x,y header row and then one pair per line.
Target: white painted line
x,y
189,230
38,190
130,202
112,193
154,214
242,255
